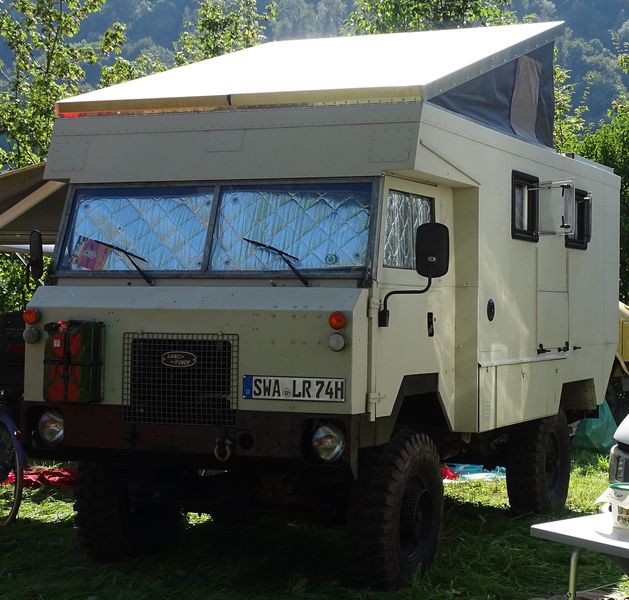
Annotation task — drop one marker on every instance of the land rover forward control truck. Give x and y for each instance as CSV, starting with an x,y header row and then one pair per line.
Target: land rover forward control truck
x,y
299,277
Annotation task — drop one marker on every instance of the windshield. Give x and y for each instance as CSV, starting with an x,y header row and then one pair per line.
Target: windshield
x,y
319,226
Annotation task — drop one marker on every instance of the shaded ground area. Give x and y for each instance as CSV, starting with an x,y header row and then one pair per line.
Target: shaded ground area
x,y
486,553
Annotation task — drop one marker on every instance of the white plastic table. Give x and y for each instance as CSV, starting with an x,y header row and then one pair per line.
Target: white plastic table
x,y
593,532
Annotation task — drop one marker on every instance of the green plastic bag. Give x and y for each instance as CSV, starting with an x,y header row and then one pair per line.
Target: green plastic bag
x,y
596,434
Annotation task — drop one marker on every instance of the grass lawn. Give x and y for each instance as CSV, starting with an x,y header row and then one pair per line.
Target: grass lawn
x,y
486,553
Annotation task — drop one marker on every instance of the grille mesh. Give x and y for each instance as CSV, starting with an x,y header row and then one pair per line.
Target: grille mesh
x,y
180,378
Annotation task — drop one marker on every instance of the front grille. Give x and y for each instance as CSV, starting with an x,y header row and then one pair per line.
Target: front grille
x,y
180,378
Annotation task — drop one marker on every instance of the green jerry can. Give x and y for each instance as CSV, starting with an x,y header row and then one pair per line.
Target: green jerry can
x,y
73,361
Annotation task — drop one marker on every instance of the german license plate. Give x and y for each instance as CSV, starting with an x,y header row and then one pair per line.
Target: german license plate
x,y
293,388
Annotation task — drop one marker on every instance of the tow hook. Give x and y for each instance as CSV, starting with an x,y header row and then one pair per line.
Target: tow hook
x,y
223,449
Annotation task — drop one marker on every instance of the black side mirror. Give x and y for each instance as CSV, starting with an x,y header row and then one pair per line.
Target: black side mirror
x,y
36,251
432,257
432,250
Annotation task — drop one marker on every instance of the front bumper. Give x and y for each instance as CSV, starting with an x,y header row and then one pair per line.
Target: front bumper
x,y
96,430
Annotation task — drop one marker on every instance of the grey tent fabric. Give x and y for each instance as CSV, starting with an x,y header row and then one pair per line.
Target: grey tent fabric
x,y
515,98
525,97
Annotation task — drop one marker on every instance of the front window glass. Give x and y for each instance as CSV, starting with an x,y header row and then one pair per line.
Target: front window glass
x,y
162,228
321,226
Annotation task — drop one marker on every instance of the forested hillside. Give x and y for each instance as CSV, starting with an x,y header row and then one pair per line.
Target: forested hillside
x,y
595,29
586,50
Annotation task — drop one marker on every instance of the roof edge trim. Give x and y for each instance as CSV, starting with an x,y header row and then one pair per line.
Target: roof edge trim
x,y
68,109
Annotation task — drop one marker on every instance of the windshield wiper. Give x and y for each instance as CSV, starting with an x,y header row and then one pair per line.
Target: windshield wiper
x,y
130,256
285,256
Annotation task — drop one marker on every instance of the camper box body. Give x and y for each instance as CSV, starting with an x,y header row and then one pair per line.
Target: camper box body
x,y
488,374
523,323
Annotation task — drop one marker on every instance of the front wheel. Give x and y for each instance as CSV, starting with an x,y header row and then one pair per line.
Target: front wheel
x,y
12,463
396,510
538,470
109,525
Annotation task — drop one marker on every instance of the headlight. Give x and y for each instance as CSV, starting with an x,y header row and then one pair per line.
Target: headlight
x,y
51,428
31,335
328,442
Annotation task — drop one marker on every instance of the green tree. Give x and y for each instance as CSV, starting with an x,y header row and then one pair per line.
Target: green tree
x,y
124,69
218,27
569,122
16,288
609,145
295,19
223,26
47,63
331,15
386,16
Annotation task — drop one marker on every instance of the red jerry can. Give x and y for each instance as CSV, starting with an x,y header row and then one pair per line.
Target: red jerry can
x,y
73,361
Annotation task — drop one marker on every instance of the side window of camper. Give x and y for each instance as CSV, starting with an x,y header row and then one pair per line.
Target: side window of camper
x,y
524,206
405,213
582,231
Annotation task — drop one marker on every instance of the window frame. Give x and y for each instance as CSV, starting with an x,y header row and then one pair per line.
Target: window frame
x,y
582,233
204,272
531,233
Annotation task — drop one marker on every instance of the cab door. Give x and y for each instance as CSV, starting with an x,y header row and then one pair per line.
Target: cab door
x,y
420,326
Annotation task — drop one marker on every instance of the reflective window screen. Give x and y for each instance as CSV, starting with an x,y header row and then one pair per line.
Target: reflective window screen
x,y
521,217
323,225
405,213
166,227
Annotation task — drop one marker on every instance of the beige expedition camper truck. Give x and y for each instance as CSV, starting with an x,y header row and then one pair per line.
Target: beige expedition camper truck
x,y
299,277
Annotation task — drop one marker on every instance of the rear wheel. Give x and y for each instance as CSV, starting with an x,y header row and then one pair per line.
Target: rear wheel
x,y
396,510
538,472
12,462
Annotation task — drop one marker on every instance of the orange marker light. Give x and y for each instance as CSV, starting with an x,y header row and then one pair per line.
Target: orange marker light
x,y
337,320
31,316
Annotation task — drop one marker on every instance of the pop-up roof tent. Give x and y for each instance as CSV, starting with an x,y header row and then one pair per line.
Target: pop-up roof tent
x,y
499,76
28,202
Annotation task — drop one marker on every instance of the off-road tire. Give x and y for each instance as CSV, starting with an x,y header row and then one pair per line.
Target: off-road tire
x,y
538,469
396,510
109,527
12,462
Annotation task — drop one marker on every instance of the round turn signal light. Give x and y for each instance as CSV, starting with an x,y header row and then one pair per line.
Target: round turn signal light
x,y
337,320
31,316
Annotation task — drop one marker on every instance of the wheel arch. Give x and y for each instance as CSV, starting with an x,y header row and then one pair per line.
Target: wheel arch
x,y
578,399
418,405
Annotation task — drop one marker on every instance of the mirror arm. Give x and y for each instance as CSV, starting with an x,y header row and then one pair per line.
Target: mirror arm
x,y
383,313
